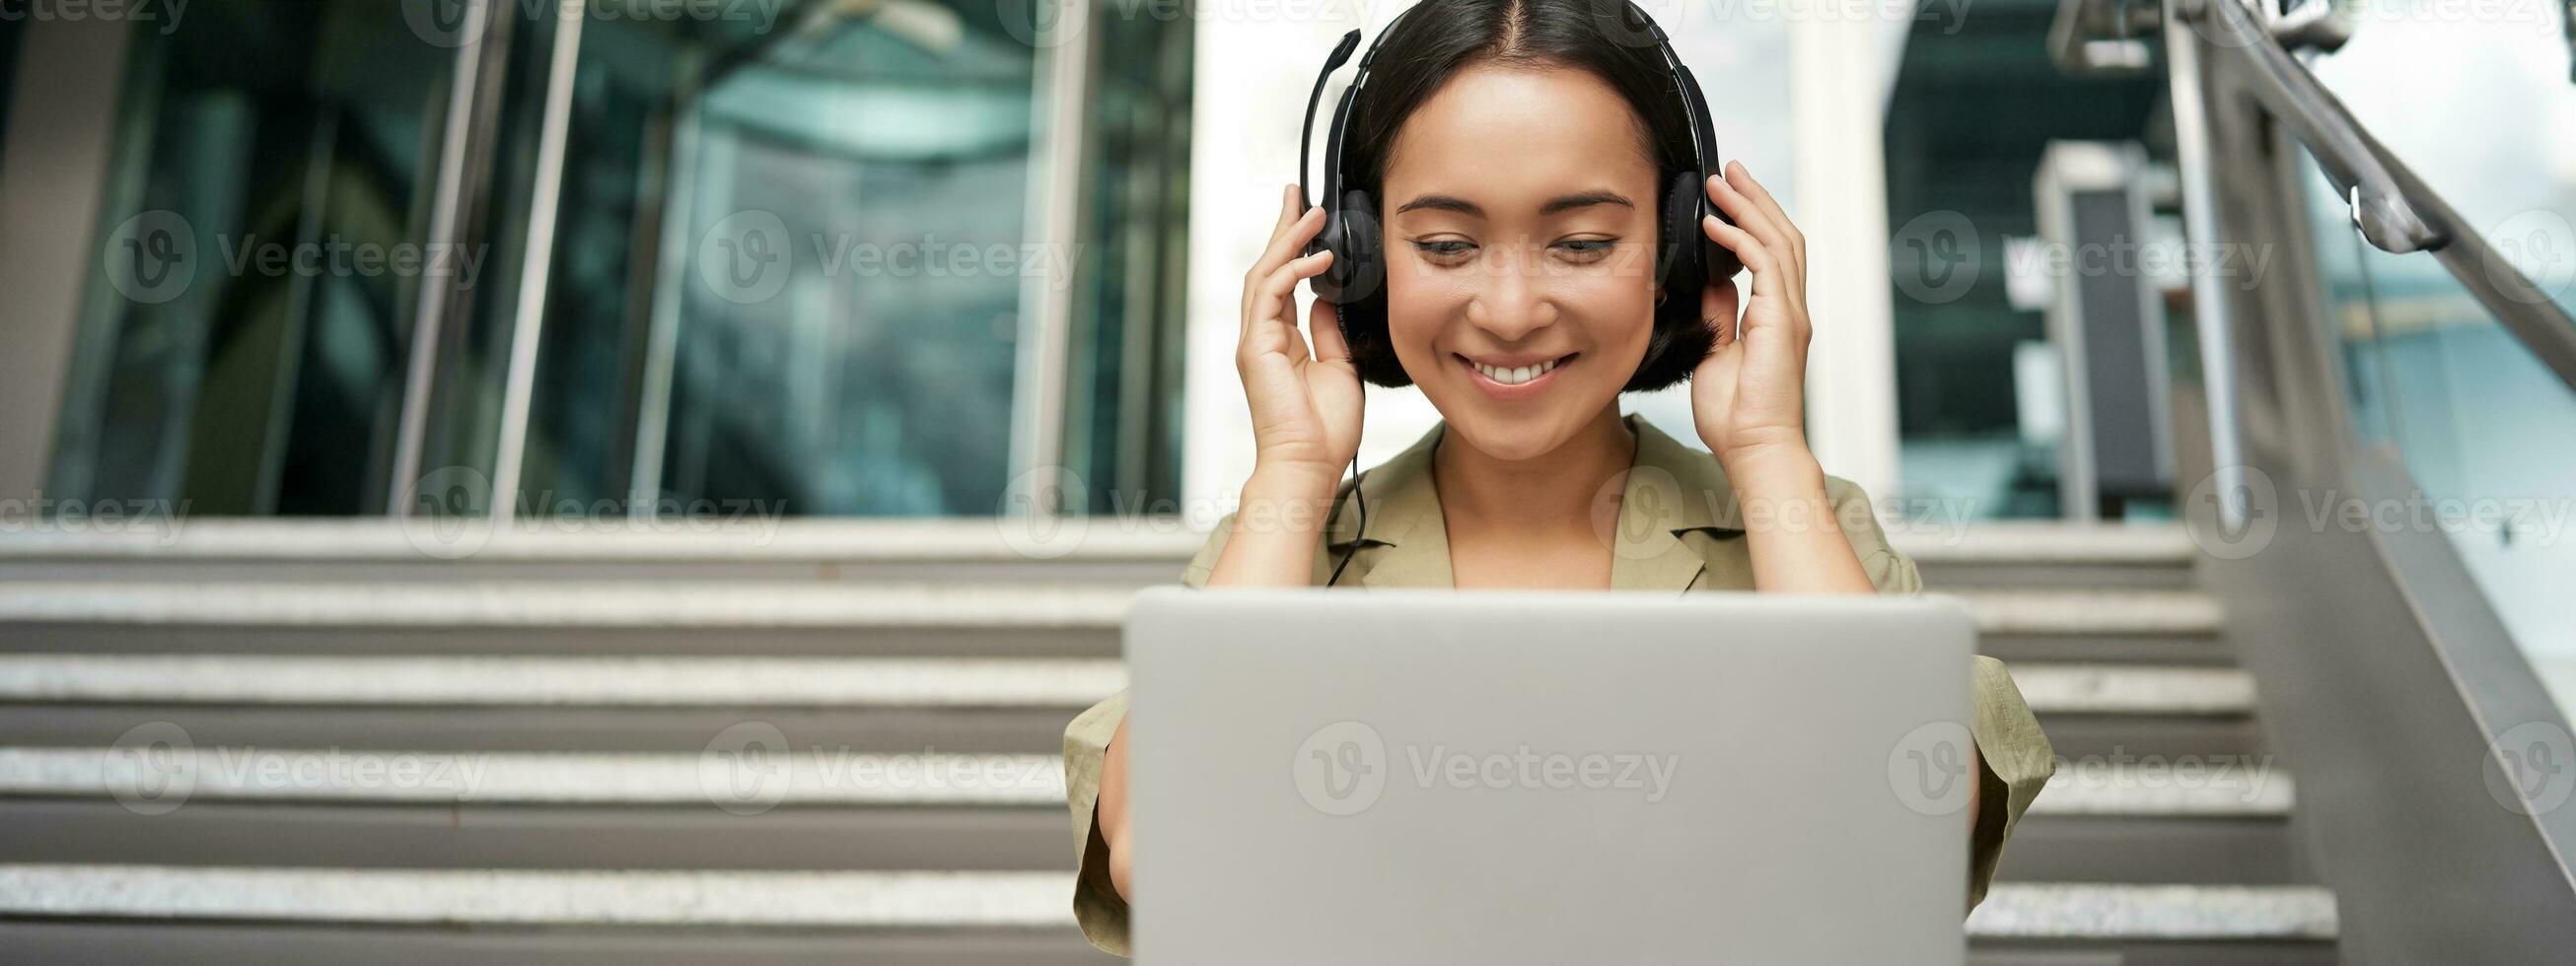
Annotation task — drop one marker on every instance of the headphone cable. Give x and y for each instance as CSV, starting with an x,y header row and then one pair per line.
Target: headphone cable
x,y
1356,539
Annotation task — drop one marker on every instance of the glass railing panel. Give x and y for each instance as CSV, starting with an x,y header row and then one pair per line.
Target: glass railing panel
x,y
2485,429
2476,99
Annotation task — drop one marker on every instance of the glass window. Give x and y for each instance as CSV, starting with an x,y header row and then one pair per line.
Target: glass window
x,y
241,346
791,264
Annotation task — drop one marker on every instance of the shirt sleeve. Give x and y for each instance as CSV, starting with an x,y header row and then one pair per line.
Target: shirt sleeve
x,y
2014,758
1096,904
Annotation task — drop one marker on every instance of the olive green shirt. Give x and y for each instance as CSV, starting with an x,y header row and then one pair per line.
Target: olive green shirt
x,y
1680,529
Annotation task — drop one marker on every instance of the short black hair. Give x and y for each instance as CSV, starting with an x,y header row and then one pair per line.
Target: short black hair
x,y
1429,46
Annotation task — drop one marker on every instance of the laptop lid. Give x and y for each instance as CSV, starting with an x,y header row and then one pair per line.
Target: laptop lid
x,y
1416,776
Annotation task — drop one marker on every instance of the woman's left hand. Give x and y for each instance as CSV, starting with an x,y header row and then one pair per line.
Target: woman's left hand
x,y
1749,396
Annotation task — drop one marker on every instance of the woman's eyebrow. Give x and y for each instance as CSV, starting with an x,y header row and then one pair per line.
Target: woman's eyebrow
x,y
1581,199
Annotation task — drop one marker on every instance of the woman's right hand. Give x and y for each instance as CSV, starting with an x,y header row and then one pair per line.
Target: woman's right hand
x,y
1305,403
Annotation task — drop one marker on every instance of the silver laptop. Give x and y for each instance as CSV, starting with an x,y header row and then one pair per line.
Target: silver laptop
x,y
1433,776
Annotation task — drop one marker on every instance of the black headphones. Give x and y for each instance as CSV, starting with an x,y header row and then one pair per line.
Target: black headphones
x,y
1357,275
1355,281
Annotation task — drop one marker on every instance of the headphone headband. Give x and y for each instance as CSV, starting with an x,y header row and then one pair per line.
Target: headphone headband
x,y
1352,277
1686,87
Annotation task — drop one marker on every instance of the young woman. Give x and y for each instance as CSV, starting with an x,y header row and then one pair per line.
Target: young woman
x,y
1518,154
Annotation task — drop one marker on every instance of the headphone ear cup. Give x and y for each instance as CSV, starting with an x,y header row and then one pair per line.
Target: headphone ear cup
x,y
1717,263
1360,261
1680,226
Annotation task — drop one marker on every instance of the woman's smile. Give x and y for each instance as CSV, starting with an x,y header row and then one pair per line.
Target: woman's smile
x,y
1513,377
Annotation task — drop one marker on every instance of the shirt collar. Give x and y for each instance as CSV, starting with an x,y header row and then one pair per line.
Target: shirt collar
x,y
1671,490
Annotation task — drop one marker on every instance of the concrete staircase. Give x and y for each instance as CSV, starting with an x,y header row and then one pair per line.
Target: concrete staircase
x,y
318,742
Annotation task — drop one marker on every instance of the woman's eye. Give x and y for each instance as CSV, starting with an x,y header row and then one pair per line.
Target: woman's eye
x,y
1444,248
1588,248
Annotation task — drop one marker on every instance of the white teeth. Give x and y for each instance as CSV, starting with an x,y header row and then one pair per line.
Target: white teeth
x,y
1514,376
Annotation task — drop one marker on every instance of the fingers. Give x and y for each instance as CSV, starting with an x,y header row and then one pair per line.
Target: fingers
x,y
1268,316
1324,328
1284,245
1740,178
1752,216
1757,256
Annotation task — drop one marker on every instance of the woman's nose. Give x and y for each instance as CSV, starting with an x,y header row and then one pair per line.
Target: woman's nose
x,y
1516,299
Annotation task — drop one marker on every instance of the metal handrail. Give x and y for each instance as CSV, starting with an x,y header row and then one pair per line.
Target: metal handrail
x,y
2295,97
2393,209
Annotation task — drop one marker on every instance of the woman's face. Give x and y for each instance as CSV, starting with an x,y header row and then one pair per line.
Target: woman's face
x,y
1520,234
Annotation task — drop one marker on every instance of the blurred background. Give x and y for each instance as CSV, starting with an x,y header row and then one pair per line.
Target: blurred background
x,y
561,386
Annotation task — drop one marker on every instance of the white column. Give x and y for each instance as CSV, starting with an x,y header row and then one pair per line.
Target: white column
x,y
61,129
1837,104
1253,75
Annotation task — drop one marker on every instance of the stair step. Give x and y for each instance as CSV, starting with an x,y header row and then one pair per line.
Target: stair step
x,y
939,900
478,680
2053,688
843,549
629,604
824,682
2047,847
69,942
2052,910
817,776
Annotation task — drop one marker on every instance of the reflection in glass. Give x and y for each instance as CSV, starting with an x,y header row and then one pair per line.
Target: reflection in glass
x,y
2480,424
2476,100
242,342
789,267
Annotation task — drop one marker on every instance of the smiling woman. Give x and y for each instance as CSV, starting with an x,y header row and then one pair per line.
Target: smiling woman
x,y
1538,259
